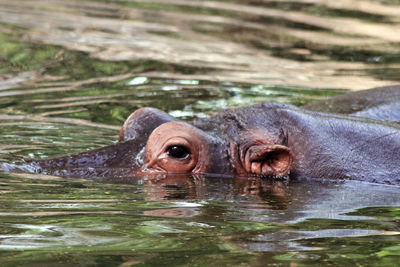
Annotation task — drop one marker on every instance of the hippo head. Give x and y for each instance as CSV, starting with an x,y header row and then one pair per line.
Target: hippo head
x,y
234,142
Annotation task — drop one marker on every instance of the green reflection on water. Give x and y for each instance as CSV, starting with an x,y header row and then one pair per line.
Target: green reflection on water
x,y
87,233
46,221
41,140
86,223
17,56
369,250
79,94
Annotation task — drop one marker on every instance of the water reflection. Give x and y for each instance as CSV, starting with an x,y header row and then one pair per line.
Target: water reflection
x,y
250,42
299,200
259,215
42,236
276,202
72,71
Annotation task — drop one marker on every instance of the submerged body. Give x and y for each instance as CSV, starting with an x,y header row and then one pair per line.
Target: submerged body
x,y
382,103
266,140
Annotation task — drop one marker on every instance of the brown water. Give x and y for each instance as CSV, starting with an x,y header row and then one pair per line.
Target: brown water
x,y
72,71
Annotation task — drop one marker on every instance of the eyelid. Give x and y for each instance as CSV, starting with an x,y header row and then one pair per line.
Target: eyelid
x,y
186,157
177,141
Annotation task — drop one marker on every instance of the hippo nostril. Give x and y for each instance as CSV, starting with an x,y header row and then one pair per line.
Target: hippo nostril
x,y
178,152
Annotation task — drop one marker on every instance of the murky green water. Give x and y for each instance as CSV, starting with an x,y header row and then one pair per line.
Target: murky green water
x,y
72,71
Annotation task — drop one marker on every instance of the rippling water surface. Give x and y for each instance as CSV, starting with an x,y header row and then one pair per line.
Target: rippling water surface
x,y
72,71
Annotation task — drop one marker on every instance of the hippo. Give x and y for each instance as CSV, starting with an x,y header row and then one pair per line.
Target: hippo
x,y
382,103
269,140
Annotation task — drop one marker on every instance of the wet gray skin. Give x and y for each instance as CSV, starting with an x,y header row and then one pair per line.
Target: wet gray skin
x,y
323,145
301,144
382,103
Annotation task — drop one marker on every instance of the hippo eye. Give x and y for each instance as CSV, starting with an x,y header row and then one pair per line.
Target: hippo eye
x,y
178,152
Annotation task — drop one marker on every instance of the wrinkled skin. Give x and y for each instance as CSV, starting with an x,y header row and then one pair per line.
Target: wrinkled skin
x,y
266,140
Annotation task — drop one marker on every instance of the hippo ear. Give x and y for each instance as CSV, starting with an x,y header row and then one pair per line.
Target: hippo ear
x,y
266,160
142,122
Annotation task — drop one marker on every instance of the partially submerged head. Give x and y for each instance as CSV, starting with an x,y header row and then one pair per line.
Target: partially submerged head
x,y
178,147
152,142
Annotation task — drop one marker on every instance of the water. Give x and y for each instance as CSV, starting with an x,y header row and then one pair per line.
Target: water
x,y
72,71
